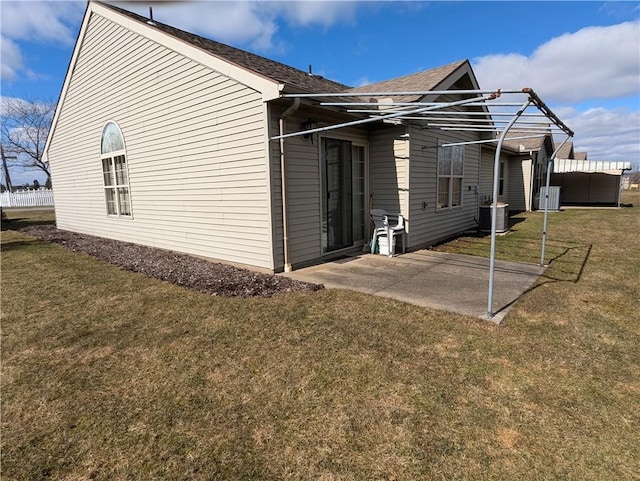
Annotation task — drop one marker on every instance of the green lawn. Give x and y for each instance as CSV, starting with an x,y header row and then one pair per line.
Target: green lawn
x,y
110,375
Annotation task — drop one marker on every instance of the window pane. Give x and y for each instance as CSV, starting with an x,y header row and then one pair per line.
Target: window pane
x,y
121,170
443,192
107,172
458,160
357,158
124,202
110,195
112,140
444,161
456,194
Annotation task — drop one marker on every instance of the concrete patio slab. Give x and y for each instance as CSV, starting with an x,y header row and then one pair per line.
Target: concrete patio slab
x,y
452,282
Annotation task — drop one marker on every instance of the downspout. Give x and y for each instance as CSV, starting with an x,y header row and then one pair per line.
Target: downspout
x,y
283,182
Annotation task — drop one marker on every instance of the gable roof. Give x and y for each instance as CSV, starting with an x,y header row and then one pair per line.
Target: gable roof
x,y
289,76
580,155
421,81
565,151
532,144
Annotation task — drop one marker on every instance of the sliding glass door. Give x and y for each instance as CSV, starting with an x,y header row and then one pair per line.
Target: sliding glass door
x,y
343,194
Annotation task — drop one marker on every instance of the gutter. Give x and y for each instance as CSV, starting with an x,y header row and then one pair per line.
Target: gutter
x,y
283,181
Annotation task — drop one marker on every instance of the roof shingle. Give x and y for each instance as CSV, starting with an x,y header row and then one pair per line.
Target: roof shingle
x,y
421,81
271,69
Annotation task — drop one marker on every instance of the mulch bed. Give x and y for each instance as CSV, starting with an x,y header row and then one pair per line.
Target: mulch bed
x,y
180,269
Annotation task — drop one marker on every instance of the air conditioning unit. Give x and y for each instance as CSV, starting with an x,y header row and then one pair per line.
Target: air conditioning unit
x,y
554,198
502,218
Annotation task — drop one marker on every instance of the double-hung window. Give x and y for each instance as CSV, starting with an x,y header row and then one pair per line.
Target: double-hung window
x,y
114,171
450,175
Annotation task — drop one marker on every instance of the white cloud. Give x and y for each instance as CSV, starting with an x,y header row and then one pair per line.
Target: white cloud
x,y
41,21
22,21
605,134
231,22
11,59
594,62
315,12
246,22
362,81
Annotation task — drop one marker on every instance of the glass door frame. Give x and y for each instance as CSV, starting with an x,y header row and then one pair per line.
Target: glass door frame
x,y
355,144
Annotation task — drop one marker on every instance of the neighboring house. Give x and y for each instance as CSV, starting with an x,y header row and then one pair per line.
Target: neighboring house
x,y
164,138
566,151
526,167
485,179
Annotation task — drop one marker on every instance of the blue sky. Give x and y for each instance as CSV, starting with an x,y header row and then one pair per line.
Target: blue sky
x,y
582,58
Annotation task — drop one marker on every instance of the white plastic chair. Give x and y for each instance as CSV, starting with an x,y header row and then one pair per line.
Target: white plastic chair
x,y
382,226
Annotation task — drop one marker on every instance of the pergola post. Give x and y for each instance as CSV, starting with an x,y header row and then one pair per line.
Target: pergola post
x,y
494,207
546,198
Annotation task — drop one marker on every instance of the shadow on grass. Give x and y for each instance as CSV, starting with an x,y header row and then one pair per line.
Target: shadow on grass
x,y
515,221
21,244
570,257
19,223
566,266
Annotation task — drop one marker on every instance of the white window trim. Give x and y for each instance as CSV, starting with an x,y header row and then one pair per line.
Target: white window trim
x,y
451,177
115,187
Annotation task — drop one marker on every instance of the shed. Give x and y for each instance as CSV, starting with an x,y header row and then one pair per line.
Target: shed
x,y
589,182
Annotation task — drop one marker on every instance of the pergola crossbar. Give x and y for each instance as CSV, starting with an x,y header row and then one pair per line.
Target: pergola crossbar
x,y
413,93
438,115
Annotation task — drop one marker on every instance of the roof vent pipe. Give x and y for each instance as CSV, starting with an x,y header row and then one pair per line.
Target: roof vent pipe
x,y
310,71
150,21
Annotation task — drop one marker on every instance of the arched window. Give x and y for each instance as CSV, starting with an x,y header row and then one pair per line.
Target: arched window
x,y
114,170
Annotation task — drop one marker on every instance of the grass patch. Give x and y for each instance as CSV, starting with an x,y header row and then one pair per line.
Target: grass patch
x,y
107,374
18,218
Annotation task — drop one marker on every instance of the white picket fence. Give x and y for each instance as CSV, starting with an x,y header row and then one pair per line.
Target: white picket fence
x,y
27,198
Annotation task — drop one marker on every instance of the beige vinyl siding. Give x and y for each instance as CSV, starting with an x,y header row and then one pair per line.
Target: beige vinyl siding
x,y
430,224
304,210
486,175
303,194
389,170
194,143
519,184
303,197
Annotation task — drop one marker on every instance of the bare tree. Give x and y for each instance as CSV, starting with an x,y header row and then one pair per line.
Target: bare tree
x,y
24,129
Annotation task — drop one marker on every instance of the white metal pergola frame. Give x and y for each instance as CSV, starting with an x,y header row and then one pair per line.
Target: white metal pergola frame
x,y
532,119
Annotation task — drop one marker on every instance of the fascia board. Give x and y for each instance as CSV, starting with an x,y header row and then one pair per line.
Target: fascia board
x,y
67,78
269,88
452,78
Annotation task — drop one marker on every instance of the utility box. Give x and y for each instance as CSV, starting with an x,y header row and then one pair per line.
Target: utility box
x,y
502,218
554,198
